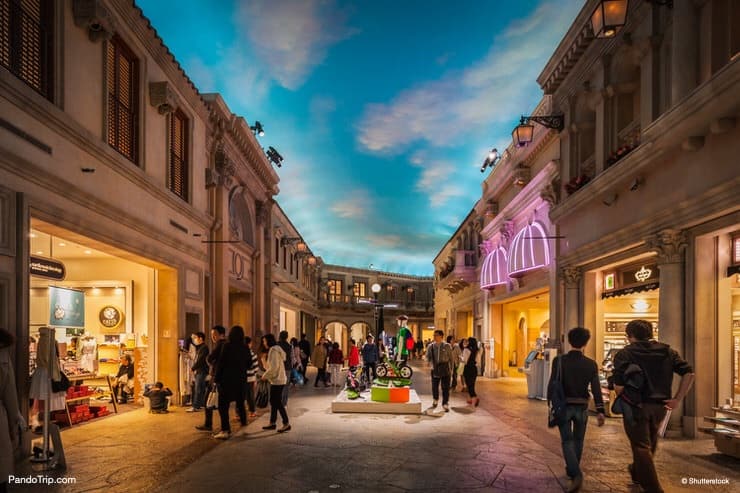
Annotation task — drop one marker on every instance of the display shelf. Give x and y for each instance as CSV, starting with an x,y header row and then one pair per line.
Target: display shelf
x,y
726,430
76,380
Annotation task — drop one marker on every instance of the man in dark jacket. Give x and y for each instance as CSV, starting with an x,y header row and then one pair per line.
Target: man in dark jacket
x,y
285,346
370,358
218,337
305,348
200,372
439,356
658,363
577,373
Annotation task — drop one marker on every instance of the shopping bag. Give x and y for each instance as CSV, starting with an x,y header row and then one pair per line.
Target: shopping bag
x,y
296,376
263,394
212,401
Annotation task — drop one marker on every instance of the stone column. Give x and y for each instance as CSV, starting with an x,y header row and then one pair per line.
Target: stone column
x,y
670,245
572,279
685,48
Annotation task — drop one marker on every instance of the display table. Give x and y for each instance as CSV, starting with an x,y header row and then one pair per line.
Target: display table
x,y
363,404
76,381
726,430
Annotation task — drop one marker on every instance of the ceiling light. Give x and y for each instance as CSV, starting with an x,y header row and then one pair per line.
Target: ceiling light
x,y
40,252
32,235
88,252
62,244
640,306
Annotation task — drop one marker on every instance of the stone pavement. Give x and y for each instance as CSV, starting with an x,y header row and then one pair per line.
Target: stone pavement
x,y
502,446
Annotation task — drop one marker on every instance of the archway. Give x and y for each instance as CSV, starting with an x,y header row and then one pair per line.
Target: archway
x,y
358,331
337,331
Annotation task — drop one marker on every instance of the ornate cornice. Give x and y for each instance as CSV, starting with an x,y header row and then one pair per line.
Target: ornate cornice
x,y
670,245
571,276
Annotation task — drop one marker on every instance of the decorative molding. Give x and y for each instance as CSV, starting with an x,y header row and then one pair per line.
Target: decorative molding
x,y
262,211
670,245
7,222
507,231
549,193
93,16
571,276
162,97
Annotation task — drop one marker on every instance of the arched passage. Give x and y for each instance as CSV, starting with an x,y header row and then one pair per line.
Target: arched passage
x,y
337,331
358,331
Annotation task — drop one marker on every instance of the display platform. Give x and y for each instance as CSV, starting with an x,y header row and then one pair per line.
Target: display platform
x,y
363,404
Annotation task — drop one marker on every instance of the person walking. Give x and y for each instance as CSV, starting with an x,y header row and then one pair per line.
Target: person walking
x,y
251,378
440,357
336,360
576,372
231,372
470,361
653,363
318,358
218,338
288,362
370,358
305,348
9,425
276,375
456,356
200,372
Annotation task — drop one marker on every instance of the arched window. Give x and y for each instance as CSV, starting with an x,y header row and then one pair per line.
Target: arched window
x,y
529,250
495,269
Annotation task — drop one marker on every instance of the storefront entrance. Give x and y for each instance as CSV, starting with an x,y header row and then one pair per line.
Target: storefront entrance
x,y
525,321
106,306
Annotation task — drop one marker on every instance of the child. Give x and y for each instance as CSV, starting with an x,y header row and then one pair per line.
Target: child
x,y
158,398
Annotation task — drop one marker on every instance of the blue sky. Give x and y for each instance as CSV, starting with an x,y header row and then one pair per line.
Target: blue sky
x,y
383,110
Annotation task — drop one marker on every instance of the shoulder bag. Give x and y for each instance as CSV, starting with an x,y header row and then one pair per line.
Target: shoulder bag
x,y
557,404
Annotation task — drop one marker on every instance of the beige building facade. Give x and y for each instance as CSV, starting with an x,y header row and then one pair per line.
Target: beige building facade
x,y
649,213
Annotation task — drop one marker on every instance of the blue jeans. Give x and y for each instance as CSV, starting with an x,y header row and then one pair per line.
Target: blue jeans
x,y
199,390
572,432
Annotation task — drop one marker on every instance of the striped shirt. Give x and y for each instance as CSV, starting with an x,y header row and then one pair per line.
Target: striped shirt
x,y
252,371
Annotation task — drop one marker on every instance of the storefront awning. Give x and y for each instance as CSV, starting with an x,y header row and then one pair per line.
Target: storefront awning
x,y
495,270
529,250
631,290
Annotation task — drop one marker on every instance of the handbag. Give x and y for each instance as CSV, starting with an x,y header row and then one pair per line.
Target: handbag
x,y
212,401
557,404
62,384
263,394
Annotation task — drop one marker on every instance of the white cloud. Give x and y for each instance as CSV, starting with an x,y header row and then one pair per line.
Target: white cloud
x,y
291,37
385,241
494,90
353,206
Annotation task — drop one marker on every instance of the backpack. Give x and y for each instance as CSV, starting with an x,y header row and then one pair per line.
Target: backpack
x,y
557,403
410,343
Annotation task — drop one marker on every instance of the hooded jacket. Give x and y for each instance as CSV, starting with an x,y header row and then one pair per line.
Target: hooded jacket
x,y
658,363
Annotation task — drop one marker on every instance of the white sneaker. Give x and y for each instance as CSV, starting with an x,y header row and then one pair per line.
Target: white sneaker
x,y
193,409
222,435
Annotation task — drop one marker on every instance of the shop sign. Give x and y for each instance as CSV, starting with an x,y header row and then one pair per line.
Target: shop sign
x,y
66,307
639,275
110,317
47,268
609,281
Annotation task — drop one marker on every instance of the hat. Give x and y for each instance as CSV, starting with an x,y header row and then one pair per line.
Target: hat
x,y
403,317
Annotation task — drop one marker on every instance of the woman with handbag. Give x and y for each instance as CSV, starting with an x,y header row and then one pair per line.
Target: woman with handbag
x,y
470,358
231,371
275,374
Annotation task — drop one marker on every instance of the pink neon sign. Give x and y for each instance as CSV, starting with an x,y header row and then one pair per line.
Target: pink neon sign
x,y
494,271
529,250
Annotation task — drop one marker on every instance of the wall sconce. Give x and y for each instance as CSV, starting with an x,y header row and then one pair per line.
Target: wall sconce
x,y
609,18
274,156
521,176
311,260
524,132
491,160
640,306
257,128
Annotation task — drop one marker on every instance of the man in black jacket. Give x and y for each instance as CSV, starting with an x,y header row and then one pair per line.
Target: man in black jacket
x,y
200,372
658,363
305,348
218,337
577,373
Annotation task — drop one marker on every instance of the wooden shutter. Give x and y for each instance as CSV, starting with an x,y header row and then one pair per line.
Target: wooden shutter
x,y
26,42
178,165
123,88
